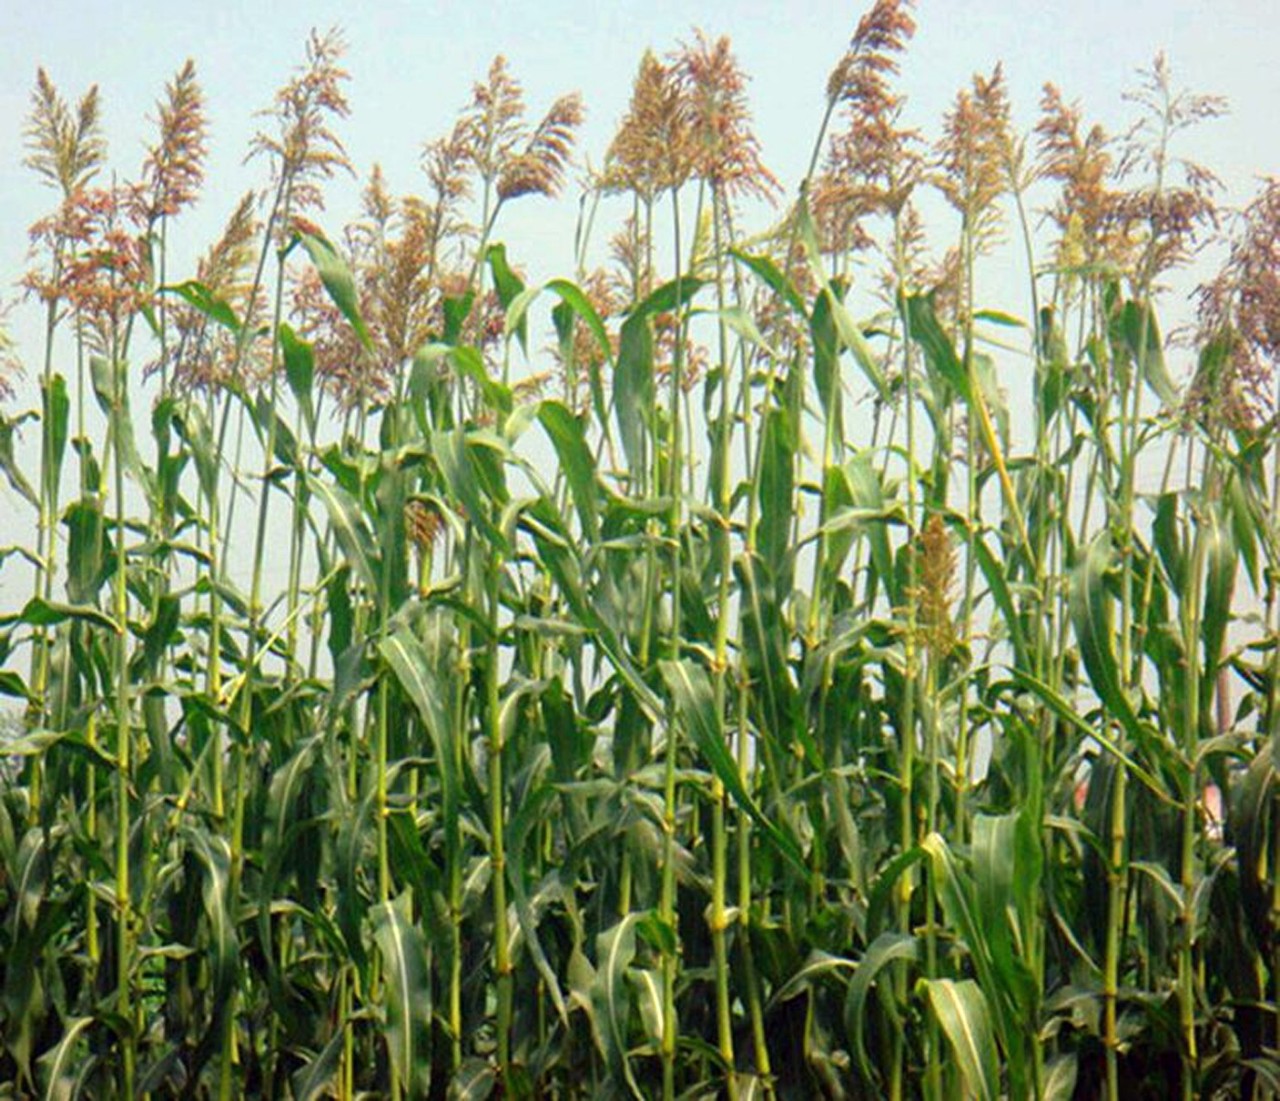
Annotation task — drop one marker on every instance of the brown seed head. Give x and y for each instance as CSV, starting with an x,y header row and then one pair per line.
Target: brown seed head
x,y
653,150
305,149
1239,322
65,148
976,152
539,168
935,567
174,167
862,75
203,354
723,147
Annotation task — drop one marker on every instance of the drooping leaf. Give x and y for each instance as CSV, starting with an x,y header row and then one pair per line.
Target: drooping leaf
x,y
961,1009
205,301
313,1080
338,281
407,1025
1090,606
695,702
886,949
568,437
509,287
299,370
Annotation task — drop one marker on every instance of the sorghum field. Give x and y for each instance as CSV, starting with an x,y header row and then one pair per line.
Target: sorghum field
x,y
760,667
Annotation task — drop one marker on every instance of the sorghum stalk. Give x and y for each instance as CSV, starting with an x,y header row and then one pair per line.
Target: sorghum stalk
x,y
719,841
125,935
497,827
907,728
667,901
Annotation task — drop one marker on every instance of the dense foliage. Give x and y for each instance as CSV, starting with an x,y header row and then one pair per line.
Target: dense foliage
x,y
438,684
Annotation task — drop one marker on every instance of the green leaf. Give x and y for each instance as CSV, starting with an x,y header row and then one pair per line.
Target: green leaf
x,y
459,459
475,1080
1061,707
961,1009
778,447
1220,583
999,317
572,296
826,353
1251,827
1145,345
38,612
921,319
691,689
1090,607
338,281
214,855
739,321
314,1079
849,331
633,390
349,527
509,286
300,369
407,1027
1007,864
205,301
429,692
9,462
60,1067
57,412
615,949
577,300
772,277
851,337
868,494
568,437
524,824
87,566
886,949
106,379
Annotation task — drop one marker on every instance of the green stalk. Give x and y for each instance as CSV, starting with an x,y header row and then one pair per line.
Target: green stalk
x,y
497,829
719,841
667,902
933,1068
1190,608
227,1074
46,536
906,762
124,744
459,739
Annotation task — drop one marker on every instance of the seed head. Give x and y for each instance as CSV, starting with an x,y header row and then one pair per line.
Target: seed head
x,y
723,148
1239,322
305,150
174,168
653,150
539,168
976,152
934,559
65,148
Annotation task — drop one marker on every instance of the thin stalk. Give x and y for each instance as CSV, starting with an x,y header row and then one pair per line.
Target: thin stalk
x,y
906,761
227,1074
719,840
46,535
459,740
667,902
124,756
1190,608
497,829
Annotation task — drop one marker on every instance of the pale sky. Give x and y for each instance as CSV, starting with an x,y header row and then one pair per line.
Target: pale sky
x,y
413,65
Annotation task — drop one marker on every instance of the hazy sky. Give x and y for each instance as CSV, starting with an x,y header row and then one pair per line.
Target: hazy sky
x,y
413,64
